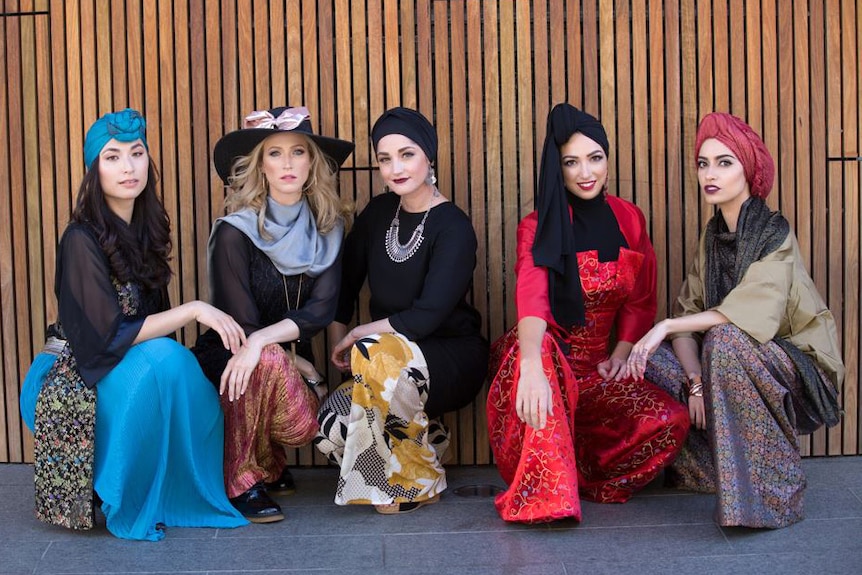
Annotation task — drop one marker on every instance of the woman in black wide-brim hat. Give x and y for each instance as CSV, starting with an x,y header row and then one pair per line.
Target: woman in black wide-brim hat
x,y
274,265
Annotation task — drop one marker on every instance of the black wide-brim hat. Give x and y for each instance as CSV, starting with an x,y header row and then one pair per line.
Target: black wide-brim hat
x,y
258,126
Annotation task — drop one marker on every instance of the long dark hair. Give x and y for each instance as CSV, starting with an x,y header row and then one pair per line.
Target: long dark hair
x,y
138,251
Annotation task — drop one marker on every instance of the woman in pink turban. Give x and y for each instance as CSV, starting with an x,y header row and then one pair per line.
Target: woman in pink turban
x,y
753,348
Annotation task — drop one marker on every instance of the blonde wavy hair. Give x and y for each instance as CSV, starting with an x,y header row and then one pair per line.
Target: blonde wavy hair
x,y
248,189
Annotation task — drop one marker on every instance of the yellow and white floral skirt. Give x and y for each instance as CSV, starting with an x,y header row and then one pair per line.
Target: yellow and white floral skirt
x,y
375,427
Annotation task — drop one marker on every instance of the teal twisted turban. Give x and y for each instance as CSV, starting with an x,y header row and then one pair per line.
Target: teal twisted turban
x,y
125,126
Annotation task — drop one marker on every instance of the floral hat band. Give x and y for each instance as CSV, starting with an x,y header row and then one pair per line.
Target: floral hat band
x,y
262,124
289,119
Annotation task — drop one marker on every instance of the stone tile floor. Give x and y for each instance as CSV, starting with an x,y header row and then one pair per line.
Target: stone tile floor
x,y
659,531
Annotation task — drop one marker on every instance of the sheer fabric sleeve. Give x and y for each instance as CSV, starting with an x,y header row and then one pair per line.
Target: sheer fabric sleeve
x,y
319,310
88,309
230,278
450,271
354,267
637,314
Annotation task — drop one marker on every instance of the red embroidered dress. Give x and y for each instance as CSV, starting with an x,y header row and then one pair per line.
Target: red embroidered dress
x,y
605,439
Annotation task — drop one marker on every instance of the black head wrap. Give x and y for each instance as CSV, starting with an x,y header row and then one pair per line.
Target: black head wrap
x,y
556,238
409,123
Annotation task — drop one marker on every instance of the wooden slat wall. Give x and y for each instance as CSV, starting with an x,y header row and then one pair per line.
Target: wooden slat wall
x,y
486,72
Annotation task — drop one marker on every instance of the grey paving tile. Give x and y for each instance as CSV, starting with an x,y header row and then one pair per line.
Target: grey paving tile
x,y
840,472
311,510
550,568
17,500
662,508
18,521
451,513
813,535
797,563
519,548
823,503
545,568
201,555
18,557
658,531
16,474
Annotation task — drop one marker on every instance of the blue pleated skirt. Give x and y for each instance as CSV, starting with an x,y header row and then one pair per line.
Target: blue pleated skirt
x,y
159,441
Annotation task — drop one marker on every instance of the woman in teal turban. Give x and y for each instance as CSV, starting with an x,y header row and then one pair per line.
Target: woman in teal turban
x,y
117,407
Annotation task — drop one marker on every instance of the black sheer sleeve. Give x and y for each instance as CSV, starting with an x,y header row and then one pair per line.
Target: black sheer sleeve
x,y
355,267
318,311
230,277
450,271
89,311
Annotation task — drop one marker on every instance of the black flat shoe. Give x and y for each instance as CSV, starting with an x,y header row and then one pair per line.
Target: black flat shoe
x,y
284,485
256,506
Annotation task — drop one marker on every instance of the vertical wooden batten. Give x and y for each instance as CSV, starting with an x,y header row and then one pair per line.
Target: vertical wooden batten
x,y
486,72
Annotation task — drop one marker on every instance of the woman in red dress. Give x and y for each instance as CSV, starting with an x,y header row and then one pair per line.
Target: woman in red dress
x,y
565,418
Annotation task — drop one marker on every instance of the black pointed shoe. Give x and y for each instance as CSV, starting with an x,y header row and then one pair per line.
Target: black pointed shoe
x,y
284,485
256,506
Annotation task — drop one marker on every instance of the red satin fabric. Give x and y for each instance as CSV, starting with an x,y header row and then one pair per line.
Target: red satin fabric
x,y
605,440
636,313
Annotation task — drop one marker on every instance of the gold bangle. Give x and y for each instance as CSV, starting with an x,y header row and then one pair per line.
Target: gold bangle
x,y
695,385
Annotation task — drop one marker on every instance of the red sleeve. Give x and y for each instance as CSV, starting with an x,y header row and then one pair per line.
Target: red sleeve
x,y
531,286
637,315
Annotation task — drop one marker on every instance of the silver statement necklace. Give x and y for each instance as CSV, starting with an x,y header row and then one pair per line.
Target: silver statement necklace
x,y
398,252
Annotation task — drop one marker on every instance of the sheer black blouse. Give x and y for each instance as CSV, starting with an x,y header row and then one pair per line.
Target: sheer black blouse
x,y
246,284
90,305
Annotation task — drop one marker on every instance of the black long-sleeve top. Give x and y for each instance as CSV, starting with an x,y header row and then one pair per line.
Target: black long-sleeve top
x,y
246,284
424,296
90,311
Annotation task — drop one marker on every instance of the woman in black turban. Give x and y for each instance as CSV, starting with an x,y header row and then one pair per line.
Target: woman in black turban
x,y
422,353
564,415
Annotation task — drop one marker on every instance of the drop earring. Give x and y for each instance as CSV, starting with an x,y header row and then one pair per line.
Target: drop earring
x,y
431,179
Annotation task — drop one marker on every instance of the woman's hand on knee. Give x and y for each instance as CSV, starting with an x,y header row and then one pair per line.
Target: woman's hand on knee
x,y
340,357
231,333
616,367
644,348
237,373
533,400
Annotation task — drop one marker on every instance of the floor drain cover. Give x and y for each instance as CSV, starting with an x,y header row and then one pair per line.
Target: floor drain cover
x,y
484,490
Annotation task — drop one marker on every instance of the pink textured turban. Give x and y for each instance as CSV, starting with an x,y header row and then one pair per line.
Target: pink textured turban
x,y
745,144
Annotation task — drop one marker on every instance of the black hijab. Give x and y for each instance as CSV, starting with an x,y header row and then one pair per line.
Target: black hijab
x,y
409,123
560,237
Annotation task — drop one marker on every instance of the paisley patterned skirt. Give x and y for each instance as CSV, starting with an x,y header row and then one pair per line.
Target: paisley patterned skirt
x,y
375,427
748,455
